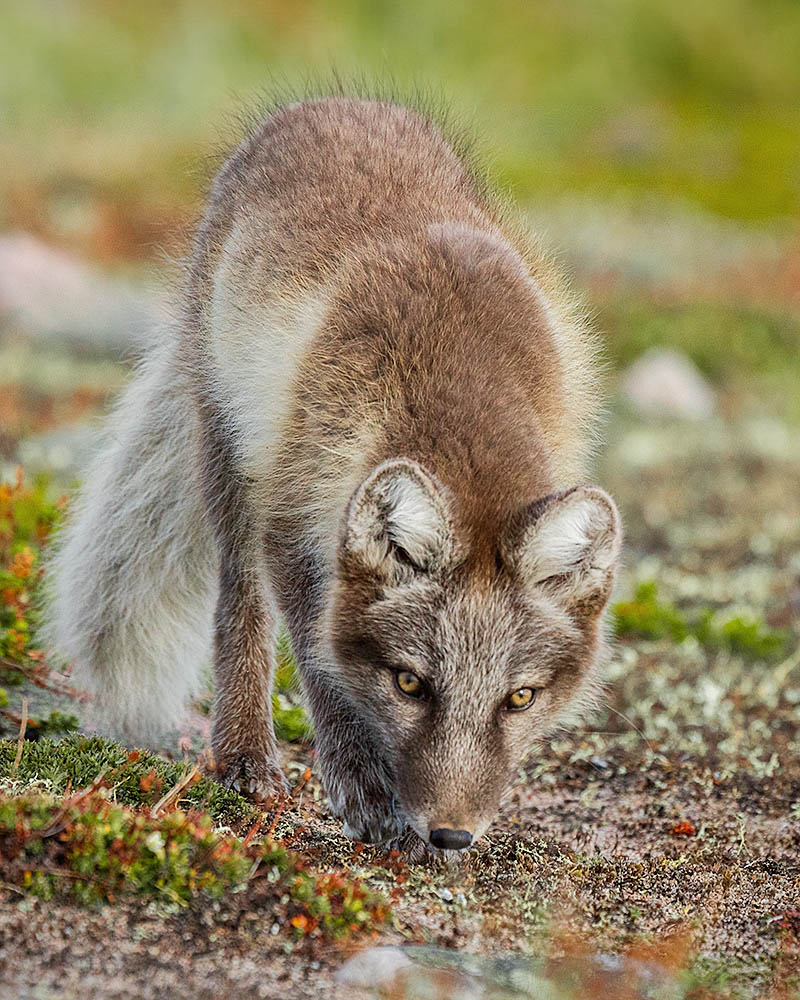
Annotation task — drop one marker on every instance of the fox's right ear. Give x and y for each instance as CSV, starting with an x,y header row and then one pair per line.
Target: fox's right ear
x,y
398,525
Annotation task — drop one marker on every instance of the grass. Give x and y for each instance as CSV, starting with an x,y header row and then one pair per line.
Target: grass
x,y
138,778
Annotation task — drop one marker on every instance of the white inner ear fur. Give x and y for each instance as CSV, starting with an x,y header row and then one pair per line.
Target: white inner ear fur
x,y
577,538
399,505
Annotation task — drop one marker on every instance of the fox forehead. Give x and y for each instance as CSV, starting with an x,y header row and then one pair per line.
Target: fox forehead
x,y
459,634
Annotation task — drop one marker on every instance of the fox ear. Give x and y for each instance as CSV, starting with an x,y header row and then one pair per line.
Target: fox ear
x,y
569,545
397,523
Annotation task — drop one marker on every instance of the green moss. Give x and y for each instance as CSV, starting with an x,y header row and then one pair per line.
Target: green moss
x,y
289,717
138,778
746,637
648,617
94,850
106,850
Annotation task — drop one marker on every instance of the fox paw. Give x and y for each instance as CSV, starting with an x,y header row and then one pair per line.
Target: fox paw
x,y
375,828
372,820
254,775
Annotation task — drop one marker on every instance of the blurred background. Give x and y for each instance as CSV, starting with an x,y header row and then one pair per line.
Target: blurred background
x,y
654,147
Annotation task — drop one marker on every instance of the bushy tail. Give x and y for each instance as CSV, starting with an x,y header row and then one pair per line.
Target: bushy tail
x,y
132,579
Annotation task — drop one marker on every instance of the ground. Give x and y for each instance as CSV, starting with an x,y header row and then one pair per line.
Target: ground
x,y
674,816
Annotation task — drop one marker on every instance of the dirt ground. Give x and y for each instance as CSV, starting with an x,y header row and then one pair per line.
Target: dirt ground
x,y
669,827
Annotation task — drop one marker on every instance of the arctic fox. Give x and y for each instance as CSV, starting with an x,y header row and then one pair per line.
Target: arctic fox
x,y
371,422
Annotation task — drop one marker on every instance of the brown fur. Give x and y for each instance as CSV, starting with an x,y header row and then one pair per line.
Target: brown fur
x,y
396,411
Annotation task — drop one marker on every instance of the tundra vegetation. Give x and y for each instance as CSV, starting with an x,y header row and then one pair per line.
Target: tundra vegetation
x,y
655,850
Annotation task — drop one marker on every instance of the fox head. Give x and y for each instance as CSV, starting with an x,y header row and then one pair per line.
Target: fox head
x,y
461,675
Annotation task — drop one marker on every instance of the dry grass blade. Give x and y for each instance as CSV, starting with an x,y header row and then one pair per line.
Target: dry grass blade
x,y
70,803
171,797
23,725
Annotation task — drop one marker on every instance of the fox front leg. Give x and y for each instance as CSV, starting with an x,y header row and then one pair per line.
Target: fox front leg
x,y
243,737
356,778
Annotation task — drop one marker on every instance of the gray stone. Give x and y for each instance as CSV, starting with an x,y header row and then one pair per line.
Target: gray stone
x,y
51,295
374,968
666,383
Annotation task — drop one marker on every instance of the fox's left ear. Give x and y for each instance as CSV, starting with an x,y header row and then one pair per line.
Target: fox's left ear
x,y
569,545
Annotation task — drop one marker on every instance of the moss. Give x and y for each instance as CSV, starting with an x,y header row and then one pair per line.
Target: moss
x,y
94,851
745,637
648,617
138,778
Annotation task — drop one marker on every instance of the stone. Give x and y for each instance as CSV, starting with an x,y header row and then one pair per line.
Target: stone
x,y
665,383
374,968
47,294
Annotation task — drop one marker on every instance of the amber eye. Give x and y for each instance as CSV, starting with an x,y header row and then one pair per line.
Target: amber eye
x,y
409,684
520,699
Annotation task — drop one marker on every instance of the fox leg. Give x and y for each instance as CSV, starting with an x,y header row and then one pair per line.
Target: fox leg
x,y
355,774
356,777
243,738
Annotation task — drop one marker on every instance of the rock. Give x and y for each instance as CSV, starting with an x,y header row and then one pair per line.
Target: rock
x,y
49,294
427,972
62,453
374,968
666,383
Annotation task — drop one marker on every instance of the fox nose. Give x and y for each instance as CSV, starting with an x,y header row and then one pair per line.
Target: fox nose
x,y
450,840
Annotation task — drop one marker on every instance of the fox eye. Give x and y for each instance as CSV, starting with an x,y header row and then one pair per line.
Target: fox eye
x,y
520,699
409,684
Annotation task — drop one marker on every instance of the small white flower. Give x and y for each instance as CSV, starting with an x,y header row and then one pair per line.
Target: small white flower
x,y
156,843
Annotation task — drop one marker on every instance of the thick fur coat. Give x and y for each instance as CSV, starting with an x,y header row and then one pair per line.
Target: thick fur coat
x,y
371,421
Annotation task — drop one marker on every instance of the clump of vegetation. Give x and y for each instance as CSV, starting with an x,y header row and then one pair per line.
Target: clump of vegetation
x,y
748,638
94,850
649,617
26,519
138,778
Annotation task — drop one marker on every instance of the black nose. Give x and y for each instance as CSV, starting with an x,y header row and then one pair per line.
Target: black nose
x,y
450,840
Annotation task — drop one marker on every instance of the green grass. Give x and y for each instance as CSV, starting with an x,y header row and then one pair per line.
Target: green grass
x,y
137,779
687,102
